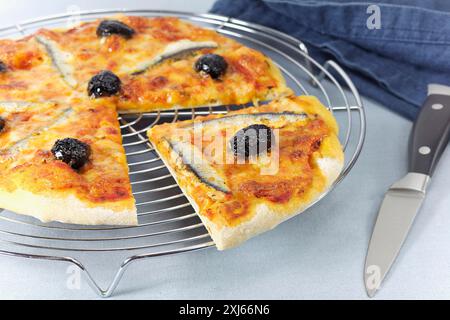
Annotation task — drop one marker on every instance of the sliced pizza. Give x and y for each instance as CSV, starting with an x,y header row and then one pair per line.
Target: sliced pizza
x,y
160,63
249,170
65,163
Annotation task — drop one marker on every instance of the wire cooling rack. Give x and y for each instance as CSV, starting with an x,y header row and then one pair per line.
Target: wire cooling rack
x,y
167,223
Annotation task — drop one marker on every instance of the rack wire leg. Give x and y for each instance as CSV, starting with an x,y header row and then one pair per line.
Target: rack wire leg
x,y
105,293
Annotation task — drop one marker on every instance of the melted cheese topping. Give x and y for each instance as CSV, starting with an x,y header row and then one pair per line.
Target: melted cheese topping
x,y
156,65
25,119
31,75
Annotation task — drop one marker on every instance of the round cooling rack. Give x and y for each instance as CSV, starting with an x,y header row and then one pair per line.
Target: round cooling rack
x,y
167,222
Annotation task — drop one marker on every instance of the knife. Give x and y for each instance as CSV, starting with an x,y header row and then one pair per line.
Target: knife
x,y
430,136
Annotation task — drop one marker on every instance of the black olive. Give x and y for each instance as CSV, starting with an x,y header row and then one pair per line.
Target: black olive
x,y
252,140
2,124
104,84
72,151
212,64
109,27
3,67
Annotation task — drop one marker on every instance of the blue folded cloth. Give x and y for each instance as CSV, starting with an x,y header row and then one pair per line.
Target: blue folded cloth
x,y
392,64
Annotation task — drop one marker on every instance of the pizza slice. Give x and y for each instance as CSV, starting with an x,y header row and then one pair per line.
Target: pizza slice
x,y
65,163
249,170
160,63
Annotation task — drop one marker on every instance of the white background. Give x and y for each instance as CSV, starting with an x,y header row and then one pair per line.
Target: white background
x,y
318,255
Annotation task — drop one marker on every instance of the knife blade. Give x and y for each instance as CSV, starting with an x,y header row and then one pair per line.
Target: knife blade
x,y
429,137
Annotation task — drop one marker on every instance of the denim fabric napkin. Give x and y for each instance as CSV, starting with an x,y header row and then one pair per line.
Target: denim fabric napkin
x,y
390,59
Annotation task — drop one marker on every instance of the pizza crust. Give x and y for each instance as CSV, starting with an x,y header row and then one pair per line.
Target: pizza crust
x,y
34,183
67,209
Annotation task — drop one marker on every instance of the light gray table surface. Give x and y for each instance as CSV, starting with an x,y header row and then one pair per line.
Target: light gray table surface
x,y
317,255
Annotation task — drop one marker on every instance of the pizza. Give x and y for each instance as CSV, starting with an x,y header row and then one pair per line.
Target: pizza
x,y
249,170
161,63
61,153
65,162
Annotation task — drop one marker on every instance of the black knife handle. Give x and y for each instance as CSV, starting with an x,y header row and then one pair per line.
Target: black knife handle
x,y
430,135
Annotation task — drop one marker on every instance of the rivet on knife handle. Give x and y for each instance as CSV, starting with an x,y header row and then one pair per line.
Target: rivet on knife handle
x,y
431,132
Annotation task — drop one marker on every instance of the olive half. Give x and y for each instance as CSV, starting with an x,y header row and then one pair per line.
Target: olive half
x,y
252,140
109,27
212,64
72,151
104,84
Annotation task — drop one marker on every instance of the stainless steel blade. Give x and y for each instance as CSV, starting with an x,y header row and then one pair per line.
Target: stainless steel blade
x,y
396,215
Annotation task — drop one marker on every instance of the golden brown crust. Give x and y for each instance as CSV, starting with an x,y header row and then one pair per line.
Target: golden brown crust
x,y
310,159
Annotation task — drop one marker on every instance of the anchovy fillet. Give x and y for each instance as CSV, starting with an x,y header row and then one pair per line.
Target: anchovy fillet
x,y
170,51
15,147
60,60
193,159
243,119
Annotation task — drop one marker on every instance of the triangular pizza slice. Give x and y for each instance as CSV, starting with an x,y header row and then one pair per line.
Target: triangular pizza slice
x,y
247,171
65,162
161,63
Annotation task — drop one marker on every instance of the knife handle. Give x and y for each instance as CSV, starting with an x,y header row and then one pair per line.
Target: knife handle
x,y
430,135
